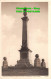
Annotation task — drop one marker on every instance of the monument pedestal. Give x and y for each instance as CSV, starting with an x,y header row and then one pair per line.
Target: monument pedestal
x,y
24,63
24,60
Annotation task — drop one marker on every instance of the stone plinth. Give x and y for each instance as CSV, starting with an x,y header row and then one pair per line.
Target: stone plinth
x,y
43,64
5,63
25,72
37,61
23,63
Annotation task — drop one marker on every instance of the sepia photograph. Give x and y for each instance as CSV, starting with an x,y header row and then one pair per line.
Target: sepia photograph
x,y
24,38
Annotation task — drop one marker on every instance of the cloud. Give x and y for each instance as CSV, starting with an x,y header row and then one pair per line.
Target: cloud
x,y
41,37
7,22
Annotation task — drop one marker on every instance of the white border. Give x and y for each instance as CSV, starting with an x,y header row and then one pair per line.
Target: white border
x,y
49,42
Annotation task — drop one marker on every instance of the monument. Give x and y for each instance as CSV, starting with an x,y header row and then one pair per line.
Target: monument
x,y
37,61
24,51
23,66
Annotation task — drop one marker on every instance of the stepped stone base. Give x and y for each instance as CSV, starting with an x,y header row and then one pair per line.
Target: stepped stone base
x,y
12,71
23,63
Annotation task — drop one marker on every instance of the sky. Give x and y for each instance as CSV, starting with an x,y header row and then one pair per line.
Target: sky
x,y
12,31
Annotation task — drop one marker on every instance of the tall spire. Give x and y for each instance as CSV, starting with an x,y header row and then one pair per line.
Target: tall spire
x,y
24,30
24,51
